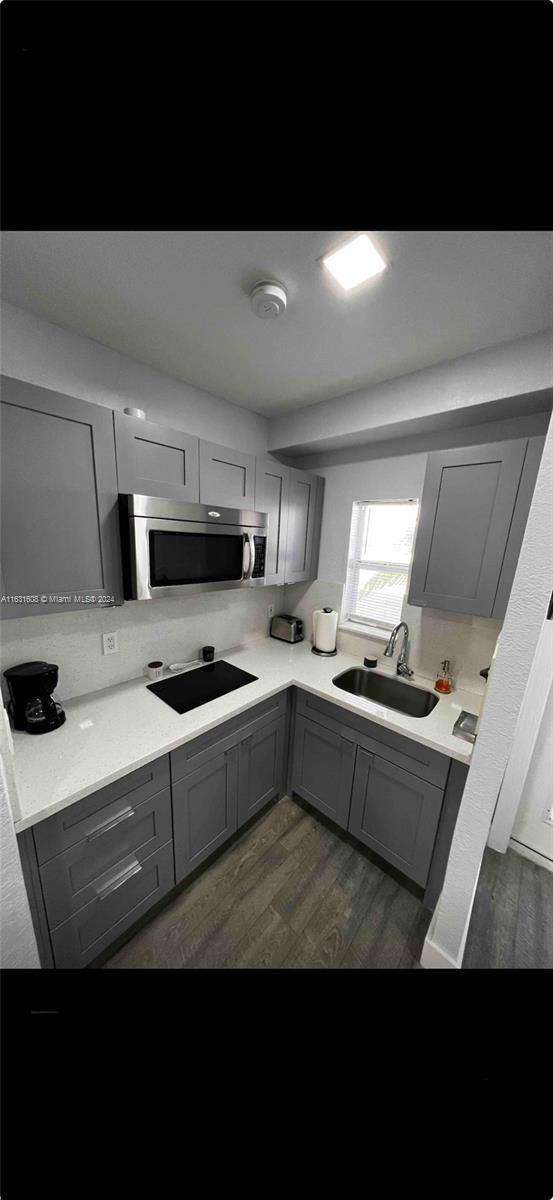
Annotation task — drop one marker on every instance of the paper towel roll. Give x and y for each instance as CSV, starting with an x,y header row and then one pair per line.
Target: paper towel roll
x,y
325,624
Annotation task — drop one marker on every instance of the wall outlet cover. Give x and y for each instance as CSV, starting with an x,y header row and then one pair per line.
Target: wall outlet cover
x,y
270,611
110,644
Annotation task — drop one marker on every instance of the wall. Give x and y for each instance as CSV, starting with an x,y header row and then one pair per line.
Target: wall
x,y
510,376
171,630
18,946
524,618
467,641
45,354
529,828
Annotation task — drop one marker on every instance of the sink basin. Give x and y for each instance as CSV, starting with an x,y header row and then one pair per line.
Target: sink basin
x,y
393,693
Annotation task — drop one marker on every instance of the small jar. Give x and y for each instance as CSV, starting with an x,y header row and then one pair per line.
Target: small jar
x,y
154,670
444,682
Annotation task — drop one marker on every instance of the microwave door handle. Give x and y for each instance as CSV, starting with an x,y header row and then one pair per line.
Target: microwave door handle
x,y
247,558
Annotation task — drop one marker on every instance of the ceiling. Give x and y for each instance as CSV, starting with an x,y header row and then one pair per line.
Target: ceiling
x,y
178,301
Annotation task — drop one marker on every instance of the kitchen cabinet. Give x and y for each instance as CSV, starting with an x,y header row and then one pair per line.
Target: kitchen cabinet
x,y
227,477
272,487
59,531
153,460
322,769
293,499
261,766
98,865
395,813
304,520
473,512
204,810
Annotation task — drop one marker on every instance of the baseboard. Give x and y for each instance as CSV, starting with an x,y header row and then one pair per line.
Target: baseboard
x,y
434,958
533,855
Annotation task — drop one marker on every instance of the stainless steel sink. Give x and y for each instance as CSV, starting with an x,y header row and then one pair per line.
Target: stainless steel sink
x,y
404,697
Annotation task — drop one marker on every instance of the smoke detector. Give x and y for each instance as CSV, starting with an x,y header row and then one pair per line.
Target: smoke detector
x,y
268,299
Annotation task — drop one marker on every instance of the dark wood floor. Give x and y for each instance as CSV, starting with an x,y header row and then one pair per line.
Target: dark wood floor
x,y
512,918
291,892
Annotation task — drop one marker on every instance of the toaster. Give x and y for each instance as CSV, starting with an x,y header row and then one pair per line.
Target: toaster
x,y
287,628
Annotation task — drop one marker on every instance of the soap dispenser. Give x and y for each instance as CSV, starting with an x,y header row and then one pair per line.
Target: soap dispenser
x,y
444,682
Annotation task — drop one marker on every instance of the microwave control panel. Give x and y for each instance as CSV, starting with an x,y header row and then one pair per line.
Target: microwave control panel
x,y
259,557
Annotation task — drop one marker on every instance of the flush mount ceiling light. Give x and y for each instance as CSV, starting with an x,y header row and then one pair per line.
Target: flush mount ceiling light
x,y
355,262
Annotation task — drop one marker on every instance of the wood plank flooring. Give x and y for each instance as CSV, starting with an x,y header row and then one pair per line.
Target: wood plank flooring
x,y
290,893
512,917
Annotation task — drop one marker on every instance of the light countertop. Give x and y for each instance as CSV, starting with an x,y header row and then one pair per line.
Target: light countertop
x,y
111,732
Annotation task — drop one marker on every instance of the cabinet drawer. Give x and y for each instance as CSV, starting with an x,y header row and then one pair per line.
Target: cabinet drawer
x,y
132,889
404,752
194,754
83,819
395,813
70,880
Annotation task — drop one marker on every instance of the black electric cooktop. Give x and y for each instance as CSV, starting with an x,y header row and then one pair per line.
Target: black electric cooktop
x,y
193,688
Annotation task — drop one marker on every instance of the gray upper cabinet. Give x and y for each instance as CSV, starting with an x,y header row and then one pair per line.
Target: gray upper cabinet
x,y
155,461
467,508
60,533
272,488
227,477
304,517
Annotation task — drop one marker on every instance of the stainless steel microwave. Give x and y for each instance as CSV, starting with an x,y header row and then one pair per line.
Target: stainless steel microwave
x,y
174,549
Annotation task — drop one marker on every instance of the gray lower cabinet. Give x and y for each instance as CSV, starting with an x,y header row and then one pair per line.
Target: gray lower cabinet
x,y
473,512
322,769
261,768
395,813
304,517
60,530
153,460
119,902
227,477
204,811
272,487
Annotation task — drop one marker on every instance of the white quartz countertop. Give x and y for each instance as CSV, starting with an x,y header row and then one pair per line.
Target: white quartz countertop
x,y
111,732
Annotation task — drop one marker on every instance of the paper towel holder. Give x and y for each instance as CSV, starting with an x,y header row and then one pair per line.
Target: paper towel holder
x,y
324,653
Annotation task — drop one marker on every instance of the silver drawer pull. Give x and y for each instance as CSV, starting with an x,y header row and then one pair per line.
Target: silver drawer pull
x,y
113,821
118,880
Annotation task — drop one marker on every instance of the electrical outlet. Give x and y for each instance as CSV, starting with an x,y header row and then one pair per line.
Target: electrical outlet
x,y
270,610
548,816
110,643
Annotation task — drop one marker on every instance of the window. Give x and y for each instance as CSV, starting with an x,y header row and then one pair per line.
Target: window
x,y
380,549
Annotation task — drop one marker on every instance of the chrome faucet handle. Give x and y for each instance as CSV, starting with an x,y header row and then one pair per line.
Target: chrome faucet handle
x,y
403,669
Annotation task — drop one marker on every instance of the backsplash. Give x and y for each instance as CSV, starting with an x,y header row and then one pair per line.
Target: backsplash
x,y
173,630
468,642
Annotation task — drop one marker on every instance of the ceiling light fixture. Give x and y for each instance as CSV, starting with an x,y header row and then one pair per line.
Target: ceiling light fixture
x,y
355,262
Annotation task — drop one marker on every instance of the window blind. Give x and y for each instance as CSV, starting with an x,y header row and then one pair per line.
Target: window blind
x,y
379,557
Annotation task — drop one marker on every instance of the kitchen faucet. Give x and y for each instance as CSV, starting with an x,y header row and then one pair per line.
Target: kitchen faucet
x,y
402,668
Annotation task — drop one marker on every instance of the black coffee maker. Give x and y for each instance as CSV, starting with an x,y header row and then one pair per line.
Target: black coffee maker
x,y
31,705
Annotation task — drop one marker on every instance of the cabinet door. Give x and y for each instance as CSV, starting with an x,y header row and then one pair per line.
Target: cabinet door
x,y
322,770
272,485
305,498
155,461
261,768
204,811
467,507
395,813
60,531
227,477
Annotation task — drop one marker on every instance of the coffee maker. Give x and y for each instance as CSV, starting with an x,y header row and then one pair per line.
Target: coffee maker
x,y
31,705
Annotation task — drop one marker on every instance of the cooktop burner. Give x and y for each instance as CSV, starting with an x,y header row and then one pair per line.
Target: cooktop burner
x,y
193,688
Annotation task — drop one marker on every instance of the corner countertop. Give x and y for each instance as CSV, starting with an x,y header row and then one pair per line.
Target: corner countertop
x,y
111,732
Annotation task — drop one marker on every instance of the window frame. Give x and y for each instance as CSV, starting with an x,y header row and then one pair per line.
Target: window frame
x,y
348,615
